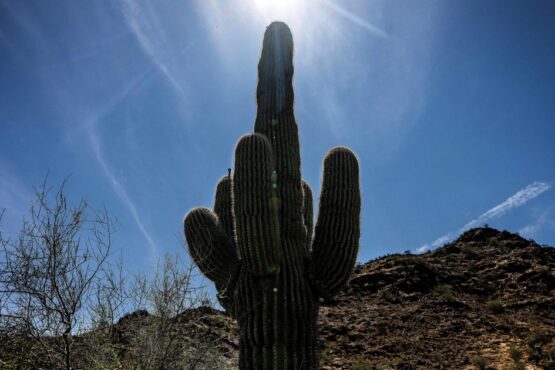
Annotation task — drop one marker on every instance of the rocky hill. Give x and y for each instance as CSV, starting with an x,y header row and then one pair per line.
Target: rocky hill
x,y
483,301
486,300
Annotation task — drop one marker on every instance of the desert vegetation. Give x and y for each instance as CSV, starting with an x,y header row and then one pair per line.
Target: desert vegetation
x,y
67,301
291,294
264,214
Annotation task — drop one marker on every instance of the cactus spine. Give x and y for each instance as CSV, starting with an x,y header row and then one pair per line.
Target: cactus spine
x,y
257,244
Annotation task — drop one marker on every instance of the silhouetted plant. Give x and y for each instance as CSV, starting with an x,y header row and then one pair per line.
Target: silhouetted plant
x,y
257,244
160,340
48,277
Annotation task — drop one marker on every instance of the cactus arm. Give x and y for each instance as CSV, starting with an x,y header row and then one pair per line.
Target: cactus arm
x,y
217,260
308,218
256,206
276,121
223,206
337,230
209,246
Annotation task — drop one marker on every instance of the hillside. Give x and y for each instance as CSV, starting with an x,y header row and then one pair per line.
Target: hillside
x,y
485,300
478,299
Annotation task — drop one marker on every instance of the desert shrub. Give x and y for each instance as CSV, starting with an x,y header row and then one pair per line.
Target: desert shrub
x,y
63,295
161,339
363,363
439,359
343,340
49,274
325,356
494,306
516,366
419,344
445,291
515,354
534,339
479,361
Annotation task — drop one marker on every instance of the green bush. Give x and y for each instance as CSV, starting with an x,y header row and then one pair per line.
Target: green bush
x,y
518,366
445,291
534,338
362,363
515,354
479,361
494,306
439,359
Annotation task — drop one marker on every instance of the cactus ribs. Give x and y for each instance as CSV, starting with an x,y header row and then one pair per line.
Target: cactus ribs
x,y
258,244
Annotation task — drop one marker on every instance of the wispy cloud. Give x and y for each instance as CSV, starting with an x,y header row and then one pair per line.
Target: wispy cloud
x,y
516,200
137,24
355,19
120,190
14,198
90,125
74,106
541,221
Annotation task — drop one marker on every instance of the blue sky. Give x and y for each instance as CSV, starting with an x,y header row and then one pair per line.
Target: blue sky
x,y
450,107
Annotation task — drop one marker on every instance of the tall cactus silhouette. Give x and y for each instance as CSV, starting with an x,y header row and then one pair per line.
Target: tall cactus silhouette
x,y
257,244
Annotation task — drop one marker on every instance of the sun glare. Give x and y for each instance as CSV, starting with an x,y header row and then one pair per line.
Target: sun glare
x,y
276,6
283,10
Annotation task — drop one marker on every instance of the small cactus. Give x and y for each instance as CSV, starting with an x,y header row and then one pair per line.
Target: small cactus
x,y
257,244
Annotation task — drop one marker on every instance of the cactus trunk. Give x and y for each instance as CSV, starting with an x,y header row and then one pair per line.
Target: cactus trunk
x,y
277,318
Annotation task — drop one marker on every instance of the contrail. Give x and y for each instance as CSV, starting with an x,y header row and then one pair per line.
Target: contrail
x,y
130,13
120,190
355,19
516,200
521,197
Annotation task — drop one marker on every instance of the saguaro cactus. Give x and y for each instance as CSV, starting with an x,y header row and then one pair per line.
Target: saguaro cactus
x,y
257,244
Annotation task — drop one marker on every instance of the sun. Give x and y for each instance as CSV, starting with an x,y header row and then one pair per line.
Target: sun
x,y
284,10
276,6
